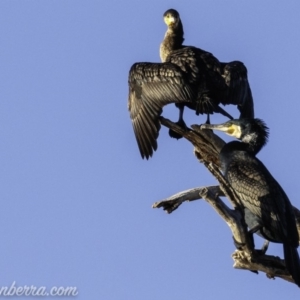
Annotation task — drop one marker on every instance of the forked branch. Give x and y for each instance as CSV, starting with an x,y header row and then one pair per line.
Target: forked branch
x,y
207,147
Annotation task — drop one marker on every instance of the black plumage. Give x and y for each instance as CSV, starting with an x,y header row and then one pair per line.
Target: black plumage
x,y
188,76
266,205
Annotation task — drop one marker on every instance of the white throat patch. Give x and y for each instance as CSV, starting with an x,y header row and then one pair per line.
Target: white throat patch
x,y
247,138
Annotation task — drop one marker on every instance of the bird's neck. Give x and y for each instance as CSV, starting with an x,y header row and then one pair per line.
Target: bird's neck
x,y
252,148
253,142
173,41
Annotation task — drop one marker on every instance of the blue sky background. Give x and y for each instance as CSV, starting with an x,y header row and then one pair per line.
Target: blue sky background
x,y
75,194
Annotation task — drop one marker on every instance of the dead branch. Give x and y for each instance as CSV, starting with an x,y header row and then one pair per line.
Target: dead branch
x,y
207,147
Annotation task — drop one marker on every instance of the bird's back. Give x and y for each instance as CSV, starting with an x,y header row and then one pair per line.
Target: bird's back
x,y
262,195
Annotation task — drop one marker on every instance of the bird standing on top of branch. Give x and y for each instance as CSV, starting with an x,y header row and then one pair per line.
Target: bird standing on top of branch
x,y
188,76
267,209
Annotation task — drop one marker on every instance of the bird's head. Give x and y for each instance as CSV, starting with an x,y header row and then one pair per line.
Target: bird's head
x,y
247,130
171,18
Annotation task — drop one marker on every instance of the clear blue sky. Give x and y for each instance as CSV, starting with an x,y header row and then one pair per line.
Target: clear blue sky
x,y
76,196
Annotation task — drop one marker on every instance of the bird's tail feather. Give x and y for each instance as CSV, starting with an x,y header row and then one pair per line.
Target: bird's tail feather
x,y
247,108
292,262
220,110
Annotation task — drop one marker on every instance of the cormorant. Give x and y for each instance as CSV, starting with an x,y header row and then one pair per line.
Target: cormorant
x,y
268,211
188,76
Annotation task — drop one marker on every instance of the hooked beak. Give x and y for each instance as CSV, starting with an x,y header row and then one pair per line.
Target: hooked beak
x,y
220,127
229,128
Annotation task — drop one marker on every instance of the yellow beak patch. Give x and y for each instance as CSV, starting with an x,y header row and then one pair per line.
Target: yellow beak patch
x,y
169,20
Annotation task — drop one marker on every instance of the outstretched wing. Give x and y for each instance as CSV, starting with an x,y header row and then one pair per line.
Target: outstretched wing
x,y
151,86
239,92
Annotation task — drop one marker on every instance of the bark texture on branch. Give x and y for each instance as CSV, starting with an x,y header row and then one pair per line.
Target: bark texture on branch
x,y
207,147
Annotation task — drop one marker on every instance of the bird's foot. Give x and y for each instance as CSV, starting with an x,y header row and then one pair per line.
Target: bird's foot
x,y
176,135
263,249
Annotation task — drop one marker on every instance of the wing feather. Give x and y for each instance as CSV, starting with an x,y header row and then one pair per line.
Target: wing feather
x,y
239,92
152,86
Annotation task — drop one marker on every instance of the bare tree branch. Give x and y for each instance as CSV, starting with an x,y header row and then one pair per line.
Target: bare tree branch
x,y
207,147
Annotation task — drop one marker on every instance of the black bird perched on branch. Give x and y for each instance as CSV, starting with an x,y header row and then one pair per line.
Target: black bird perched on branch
x,y
187,76
268,211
